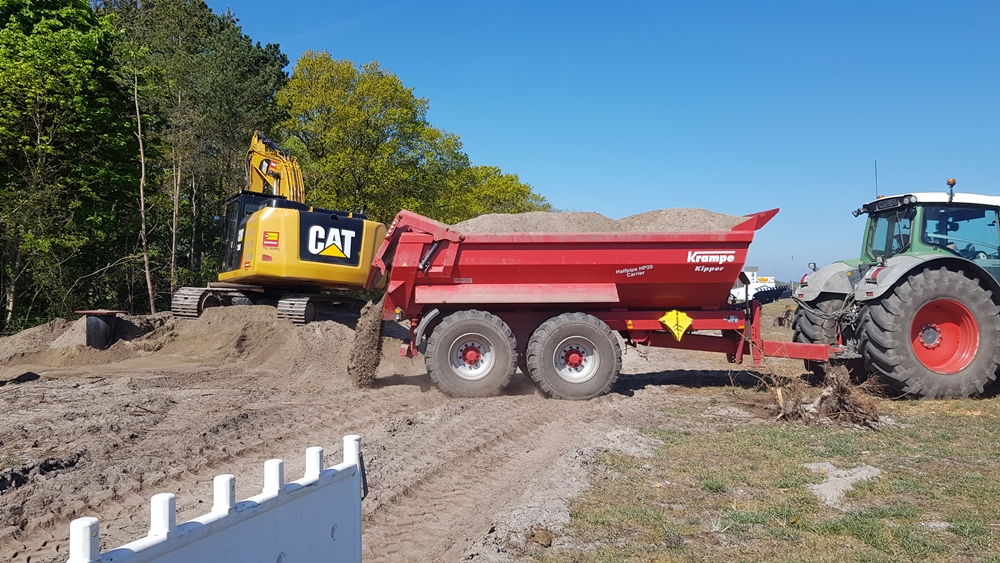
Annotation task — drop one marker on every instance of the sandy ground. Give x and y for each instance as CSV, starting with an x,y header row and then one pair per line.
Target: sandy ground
x,y
97,433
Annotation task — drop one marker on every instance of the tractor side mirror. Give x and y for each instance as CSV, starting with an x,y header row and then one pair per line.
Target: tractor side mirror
x,y
812,266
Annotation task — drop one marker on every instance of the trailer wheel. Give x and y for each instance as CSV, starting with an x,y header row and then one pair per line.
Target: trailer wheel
x,y
574,356
522,363
936,335
471,354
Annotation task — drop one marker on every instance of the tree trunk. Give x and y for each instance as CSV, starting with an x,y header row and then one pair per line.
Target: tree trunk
x,y
10,289
173,228
142,195
193,262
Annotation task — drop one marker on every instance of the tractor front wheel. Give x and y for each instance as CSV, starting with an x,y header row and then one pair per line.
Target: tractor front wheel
x,y
936,335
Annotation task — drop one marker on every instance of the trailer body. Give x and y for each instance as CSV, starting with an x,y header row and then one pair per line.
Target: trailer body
x,y
657,288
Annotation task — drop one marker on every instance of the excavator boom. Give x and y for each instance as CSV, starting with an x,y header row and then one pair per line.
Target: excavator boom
x,y
272,170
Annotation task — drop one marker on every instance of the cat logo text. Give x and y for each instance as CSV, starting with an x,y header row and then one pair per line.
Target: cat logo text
x,y
332,242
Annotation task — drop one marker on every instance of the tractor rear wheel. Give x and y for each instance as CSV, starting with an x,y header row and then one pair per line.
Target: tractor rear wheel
x,y
936,335
574,356
471,354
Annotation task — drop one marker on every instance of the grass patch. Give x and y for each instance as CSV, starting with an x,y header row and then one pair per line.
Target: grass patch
x,y
714,492
9,460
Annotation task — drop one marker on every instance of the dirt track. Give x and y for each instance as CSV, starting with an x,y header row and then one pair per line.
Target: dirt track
x,y
97,433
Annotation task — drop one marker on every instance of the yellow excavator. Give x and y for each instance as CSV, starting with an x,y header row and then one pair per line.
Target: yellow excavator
x,y
279,251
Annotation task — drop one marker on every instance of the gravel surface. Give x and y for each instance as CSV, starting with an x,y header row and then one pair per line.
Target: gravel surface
x,y
660,220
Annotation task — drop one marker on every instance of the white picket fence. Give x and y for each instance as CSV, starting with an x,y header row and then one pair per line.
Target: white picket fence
x,y
317,518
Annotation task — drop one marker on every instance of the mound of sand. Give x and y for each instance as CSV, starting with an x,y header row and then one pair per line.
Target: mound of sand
x,y
680,219
237,339
660,220
538,222
33,339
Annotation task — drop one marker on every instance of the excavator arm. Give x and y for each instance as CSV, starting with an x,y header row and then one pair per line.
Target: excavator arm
x,y
272,170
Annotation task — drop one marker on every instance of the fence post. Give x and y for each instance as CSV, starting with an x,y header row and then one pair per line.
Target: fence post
x,y
84,540
274,476
163,515
314,462
352,448
224,497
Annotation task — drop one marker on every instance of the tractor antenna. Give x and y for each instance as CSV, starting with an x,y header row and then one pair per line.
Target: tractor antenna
x,y
876,179
951,189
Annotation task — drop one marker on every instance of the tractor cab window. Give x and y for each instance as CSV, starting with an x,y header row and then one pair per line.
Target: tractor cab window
x,y
889,233
969,232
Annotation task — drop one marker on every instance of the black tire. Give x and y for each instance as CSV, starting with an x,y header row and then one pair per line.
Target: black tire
x,y
812,328
771,295
590,342
480,334
908,355
522,364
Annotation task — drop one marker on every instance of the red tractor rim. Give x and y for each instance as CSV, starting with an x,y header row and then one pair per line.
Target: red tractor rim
x,y
944,336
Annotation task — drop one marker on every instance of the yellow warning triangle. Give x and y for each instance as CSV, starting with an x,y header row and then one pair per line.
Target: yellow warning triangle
x,y
676,322
333,252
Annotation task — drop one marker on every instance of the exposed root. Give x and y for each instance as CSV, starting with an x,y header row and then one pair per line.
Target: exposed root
x,y
366,351
836,401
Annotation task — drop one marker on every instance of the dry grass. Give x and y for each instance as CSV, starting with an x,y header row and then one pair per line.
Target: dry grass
x,y
723,491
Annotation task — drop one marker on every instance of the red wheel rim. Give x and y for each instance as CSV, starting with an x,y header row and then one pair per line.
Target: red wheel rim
x,y
944,336
471,356
573,358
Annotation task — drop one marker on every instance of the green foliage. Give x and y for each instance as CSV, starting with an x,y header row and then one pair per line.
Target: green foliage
x,y
367,144
124,127
66,156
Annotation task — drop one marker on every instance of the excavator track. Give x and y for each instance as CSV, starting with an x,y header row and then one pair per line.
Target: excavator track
x,y
296,308
190,302
186,302
302,309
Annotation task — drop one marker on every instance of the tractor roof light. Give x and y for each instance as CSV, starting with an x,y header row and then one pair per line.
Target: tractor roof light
x,y
803,282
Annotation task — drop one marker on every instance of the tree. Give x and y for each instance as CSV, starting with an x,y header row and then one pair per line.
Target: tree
x,y
367,144
486,189
364,132
178,32
66,153
235,93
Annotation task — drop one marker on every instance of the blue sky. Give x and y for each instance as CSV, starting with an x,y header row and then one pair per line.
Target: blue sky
x,y
731,106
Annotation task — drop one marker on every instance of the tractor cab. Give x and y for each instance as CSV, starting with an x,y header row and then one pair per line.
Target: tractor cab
x,y
927,224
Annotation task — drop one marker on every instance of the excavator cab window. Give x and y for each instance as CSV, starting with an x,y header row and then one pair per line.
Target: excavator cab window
x,y
239,208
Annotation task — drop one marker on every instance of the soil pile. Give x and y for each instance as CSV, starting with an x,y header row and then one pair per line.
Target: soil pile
x,y
660,220
680,219
235,338
33,339
539,222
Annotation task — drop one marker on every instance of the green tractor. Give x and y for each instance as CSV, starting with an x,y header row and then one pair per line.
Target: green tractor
x,y
920,307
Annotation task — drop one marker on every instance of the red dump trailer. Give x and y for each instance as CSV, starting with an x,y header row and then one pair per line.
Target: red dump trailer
x,y
481,305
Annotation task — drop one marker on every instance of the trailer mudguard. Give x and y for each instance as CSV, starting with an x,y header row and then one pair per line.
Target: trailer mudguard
x,y
880,279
